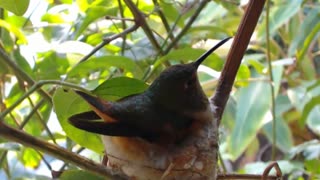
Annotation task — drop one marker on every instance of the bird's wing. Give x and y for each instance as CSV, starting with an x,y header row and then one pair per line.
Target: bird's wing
x,y
114,117
90,121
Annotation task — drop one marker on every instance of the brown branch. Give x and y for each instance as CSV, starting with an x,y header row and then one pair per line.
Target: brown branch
x,y
245,177
21,137
239,45
21,73
108,40
163,19
187,27
139,19
268,169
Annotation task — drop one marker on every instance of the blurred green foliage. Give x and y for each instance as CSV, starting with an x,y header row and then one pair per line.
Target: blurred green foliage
x,y
51,38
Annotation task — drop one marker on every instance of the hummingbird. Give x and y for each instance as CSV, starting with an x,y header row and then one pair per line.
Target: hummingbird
x,y
172,108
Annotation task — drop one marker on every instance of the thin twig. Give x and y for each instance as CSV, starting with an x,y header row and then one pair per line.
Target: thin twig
x,y
187,27
40,118
65,164
21,137
179,36
267,170
21,73
108,40
163,19
117,18
124,26
244,177
36,87
140,20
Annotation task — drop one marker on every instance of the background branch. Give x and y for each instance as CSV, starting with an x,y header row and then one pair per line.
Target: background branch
x,y
20,73
21,137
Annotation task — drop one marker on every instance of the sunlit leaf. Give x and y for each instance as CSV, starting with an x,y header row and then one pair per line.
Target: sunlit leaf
x,y
243,75
51,66
53,18
30,158
67,103
18,7
103,63
74,47
313,166
92,14
17,32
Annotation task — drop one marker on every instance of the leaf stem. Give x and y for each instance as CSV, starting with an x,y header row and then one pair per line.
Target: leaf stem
x,y
273,104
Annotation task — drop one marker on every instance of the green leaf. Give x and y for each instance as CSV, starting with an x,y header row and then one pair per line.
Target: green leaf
x,y
307,26
51,66
18,7
279,14
307,42
284,139
79,174
313,86
103,63
313,166
30,158
308,150
52,18
229,113
93,13
17,32
243,75
22,62
309,106
252,106
67,103
7,41
171,12
119,87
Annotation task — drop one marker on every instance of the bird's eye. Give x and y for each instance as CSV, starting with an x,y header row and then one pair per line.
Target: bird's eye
x,y
189,83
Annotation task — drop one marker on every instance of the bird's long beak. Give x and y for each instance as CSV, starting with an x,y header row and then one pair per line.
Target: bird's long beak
x,y
206,54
